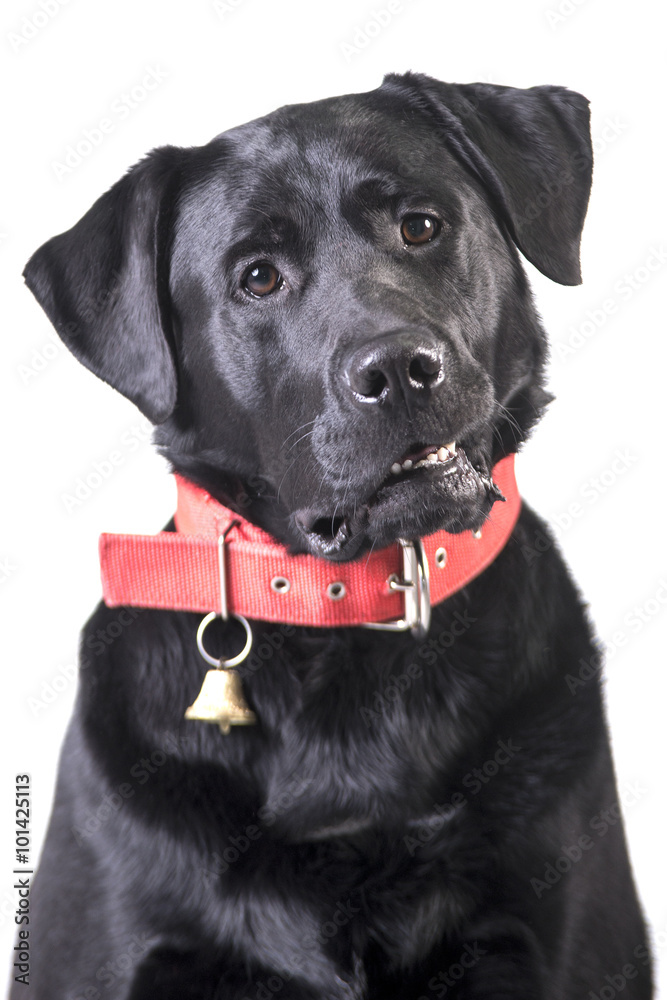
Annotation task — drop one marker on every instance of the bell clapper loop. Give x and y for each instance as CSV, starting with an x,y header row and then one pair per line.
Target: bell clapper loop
x,y
221,697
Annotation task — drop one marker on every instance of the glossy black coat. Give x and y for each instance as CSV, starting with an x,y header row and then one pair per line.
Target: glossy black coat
x,y
408,819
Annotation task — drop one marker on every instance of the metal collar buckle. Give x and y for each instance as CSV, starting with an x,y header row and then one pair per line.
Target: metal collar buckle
x,y
416,593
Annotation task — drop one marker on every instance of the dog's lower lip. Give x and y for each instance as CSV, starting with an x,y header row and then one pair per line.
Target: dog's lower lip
x,y
317,524
338,536
327,536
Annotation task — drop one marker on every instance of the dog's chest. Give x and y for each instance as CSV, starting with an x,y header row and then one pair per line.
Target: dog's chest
x,y
352,742
320,788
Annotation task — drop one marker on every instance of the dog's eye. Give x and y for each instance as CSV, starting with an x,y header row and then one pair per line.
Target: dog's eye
x,y
418,228
261,279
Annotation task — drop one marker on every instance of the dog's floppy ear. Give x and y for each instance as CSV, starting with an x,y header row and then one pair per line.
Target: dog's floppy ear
x,y
532,151
103,284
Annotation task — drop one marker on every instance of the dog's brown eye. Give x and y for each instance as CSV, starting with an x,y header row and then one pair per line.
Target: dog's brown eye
x,y
419,228
262,279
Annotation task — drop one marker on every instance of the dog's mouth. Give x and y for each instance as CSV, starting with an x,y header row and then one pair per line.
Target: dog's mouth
x,y
423,458
430,487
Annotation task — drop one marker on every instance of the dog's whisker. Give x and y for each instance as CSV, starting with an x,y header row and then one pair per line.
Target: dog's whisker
x,y
296,431
370,552
285,474
514,425
302,438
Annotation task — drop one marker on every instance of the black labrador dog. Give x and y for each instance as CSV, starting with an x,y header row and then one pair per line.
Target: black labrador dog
x,y
307,308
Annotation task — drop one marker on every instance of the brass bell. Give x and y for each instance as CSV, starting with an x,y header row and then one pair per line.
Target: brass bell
x,y
221,700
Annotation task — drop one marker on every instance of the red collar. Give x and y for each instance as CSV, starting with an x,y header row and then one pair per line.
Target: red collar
x,y
179,570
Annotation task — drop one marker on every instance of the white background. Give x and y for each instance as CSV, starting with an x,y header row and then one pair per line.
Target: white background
x,y
223,67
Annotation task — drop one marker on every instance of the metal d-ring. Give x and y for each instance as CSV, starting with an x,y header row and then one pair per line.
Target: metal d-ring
x,y
233,661
224,614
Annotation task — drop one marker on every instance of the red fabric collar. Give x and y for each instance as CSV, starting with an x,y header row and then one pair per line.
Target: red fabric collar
x,y
179,570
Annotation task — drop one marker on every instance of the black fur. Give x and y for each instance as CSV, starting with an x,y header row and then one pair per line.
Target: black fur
x,y
408,819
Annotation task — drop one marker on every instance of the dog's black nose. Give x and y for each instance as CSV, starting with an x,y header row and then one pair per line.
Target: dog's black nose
x,y
400,367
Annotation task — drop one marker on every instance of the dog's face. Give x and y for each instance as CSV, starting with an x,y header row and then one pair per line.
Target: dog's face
x,y
324,310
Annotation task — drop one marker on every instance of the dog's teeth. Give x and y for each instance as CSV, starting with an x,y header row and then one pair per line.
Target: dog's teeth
x,y
396,468
420,465
433,457
407,464
443,454
451,447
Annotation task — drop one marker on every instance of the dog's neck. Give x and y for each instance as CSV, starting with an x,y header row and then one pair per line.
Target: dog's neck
x,y
217,561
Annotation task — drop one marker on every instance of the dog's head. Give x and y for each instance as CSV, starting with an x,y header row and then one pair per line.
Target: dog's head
x,y
324,310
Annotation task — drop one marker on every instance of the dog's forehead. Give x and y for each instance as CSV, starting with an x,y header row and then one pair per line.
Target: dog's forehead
x,y
321,150
355,125
304,170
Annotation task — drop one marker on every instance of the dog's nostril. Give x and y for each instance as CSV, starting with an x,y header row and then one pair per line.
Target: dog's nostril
x,y
371,383
424,370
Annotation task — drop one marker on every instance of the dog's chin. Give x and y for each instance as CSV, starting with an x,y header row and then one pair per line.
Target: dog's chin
x,y
453,495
